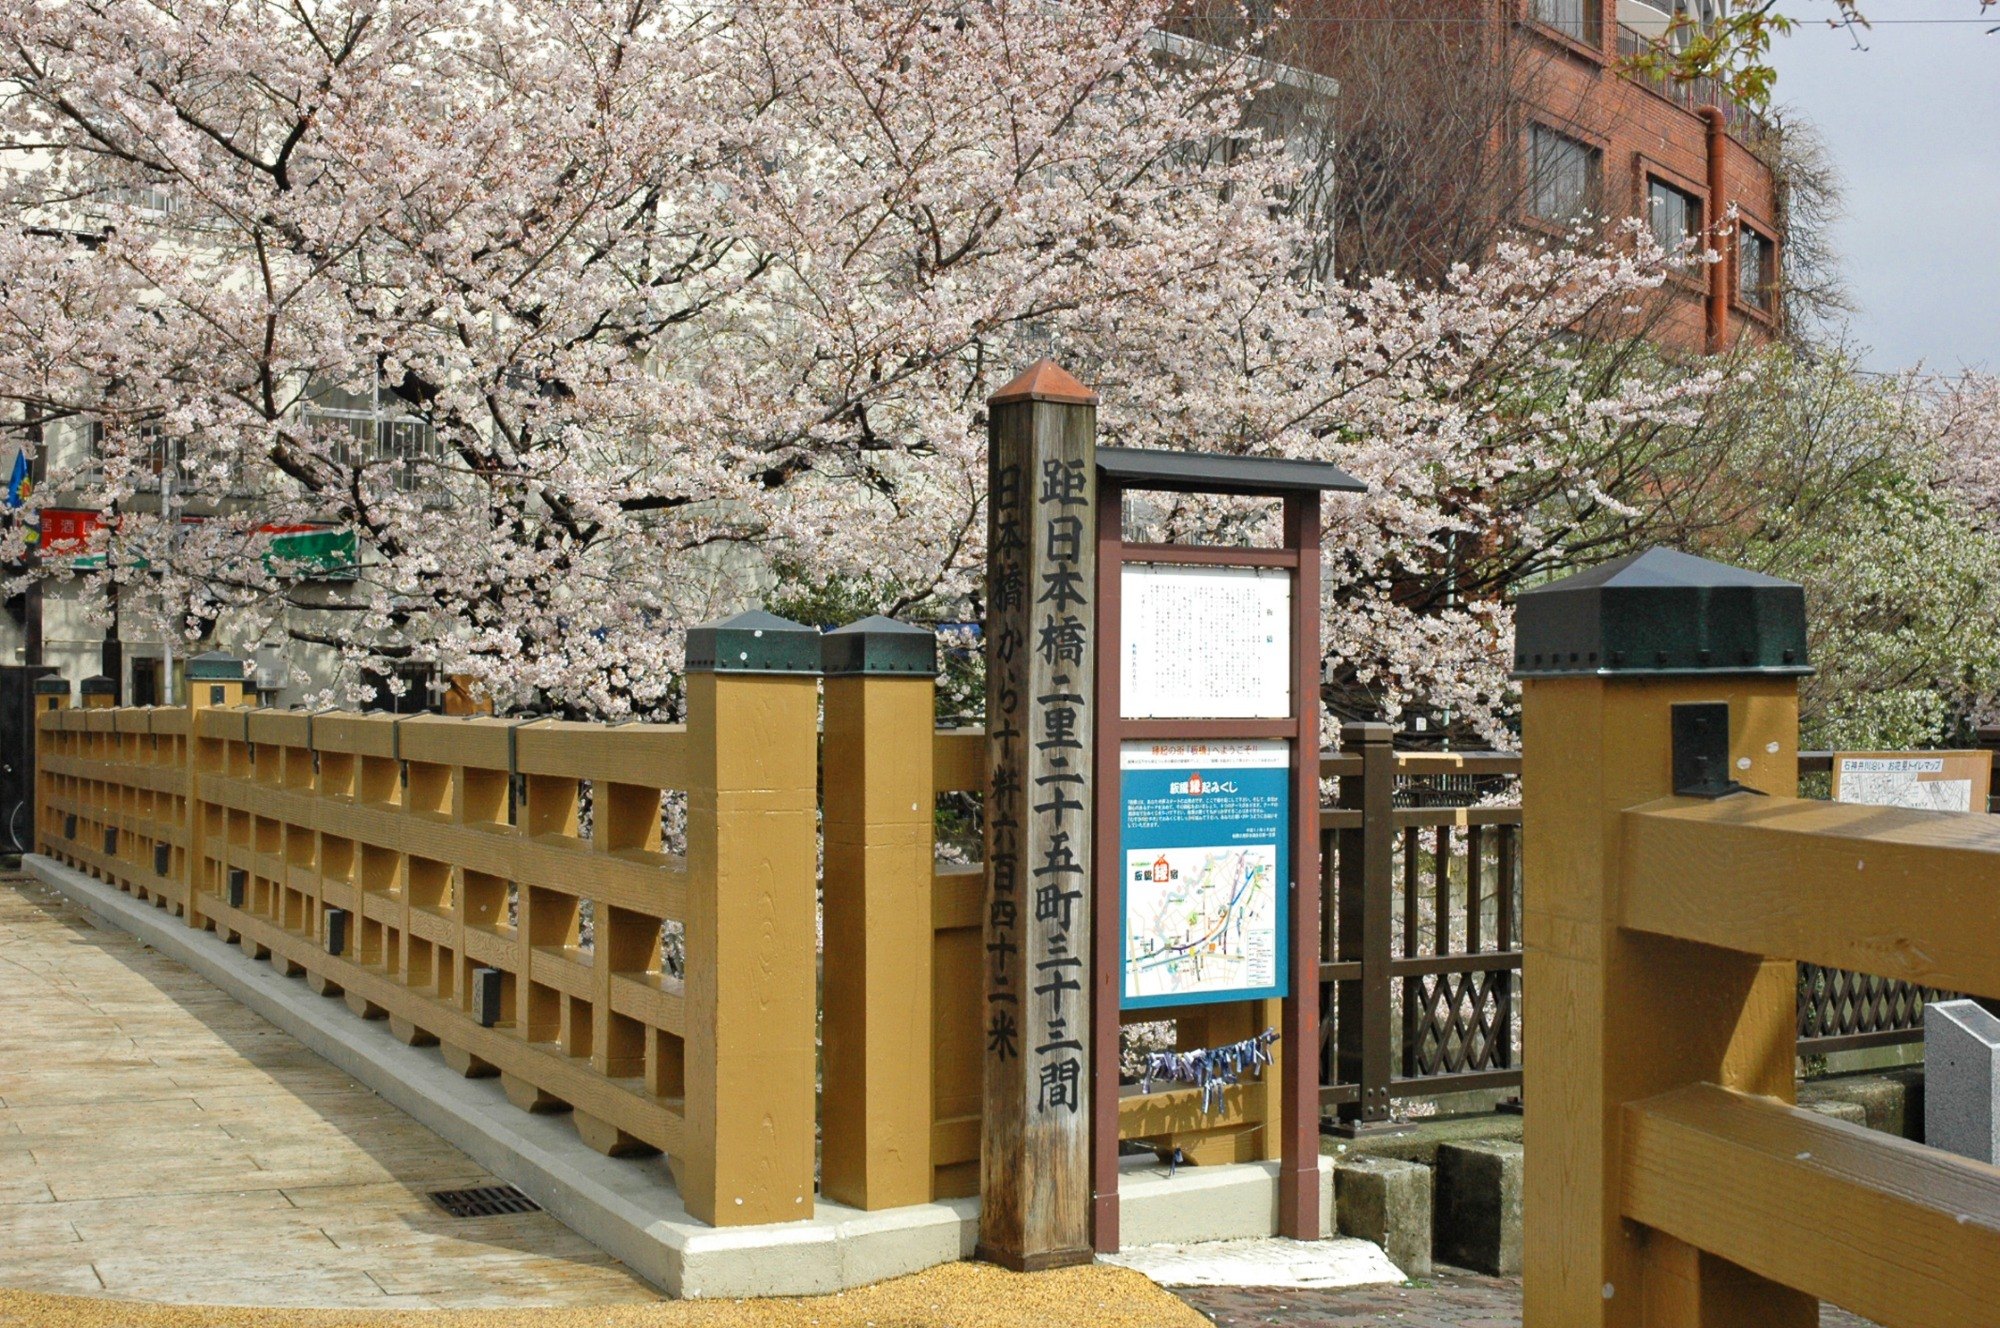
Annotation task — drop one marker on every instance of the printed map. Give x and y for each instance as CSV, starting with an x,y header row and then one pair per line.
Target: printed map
x,y
1915,781
1906,790
1200,919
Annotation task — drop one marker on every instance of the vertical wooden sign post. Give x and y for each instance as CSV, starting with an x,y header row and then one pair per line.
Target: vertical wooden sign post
x,y
1041,581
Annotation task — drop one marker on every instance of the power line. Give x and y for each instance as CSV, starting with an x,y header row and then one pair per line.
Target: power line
x,y
1991,21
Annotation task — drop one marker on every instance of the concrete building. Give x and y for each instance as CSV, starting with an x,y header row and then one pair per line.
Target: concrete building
x,y
63,623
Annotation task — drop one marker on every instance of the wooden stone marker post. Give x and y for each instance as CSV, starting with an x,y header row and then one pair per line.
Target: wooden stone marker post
x,y
1034,1152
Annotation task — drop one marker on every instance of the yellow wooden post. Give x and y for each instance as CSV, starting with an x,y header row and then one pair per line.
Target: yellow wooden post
x,y
481,790
1614,1015
753,702
875,1109
99,693
214,682
51,694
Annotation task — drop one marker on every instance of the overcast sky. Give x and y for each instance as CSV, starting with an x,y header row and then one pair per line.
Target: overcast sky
x,y
1913,123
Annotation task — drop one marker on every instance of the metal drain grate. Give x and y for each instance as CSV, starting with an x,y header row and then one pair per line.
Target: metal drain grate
x,y
486,1201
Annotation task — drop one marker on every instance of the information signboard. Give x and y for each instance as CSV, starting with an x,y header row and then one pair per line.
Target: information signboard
x,y
1205,871
1205,642
1925,781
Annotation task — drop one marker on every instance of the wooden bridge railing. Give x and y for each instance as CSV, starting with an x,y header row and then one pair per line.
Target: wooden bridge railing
x,y
1422,970
502,888
1847,1010
1673,878
903,991
1421,952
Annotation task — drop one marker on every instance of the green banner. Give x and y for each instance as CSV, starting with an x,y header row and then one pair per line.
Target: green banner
x,y
318,553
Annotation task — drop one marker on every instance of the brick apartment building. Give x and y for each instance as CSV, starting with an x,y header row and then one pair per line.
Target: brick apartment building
x,y
1681,156
1550,122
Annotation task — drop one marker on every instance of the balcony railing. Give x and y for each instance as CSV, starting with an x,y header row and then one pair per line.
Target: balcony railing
x,y
1690,93
1577,19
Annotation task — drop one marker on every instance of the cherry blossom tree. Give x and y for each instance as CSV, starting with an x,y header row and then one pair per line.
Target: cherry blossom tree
x,y
673,305
1880,493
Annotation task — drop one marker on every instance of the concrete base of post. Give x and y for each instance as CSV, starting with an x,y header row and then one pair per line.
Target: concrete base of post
x,y
1193,1204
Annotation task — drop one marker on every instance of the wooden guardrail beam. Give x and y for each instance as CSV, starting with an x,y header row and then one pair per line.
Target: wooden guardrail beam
x,y
1883,890
1458,763
958,760
1893,1231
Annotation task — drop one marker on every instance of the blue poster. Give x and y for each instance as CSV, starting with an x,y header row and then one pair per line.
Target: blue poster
x,y
1206,886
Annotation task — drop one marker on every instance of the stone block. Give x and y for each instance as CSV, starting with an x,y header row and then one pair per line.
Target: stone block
x,y
1478,1206
1962,1079
1851,1112
1388,1202
1892,1101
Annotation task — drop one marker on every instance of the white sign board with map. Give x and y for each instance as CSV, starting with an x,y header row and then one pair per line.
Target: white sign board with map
x,y
1924,781
1204,887
1205,642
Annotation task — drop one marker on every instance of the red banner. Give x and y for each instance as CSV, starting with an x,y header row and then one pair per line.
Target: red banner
x,y
65,531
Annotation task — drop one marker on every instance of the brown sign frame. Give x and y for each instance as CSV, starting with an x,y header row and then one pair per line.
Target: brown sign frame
x,y
1298,485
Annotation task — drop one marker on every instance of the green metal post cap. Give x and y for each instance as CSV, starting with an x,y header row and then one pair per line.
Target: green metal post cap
x,y
52,686
879,647
215,666
1661,612
753,642
99,686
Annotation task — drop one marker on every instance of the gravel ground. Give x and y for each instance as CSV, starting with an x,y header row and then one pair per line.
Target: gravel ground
x,y
961,1295
1450,1299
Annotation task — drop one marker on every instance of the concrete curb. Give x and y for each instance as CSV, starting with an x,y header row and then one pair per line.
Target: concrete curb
x,y
629,1207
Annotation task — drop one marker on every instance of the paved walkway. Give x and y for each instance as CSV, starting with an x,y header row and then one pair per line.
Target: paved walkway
x,y
160,1142
1450,1299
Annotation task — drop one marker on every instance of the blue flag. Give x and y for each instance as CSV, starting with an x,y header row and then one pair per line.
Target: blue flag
x,y
19,485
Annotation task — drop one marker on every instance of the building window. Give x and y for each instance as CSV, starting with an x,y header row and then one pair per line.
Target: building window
x,y
1580,19
160,198
1756,268
372,428
1563,176
147,450
1674,214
